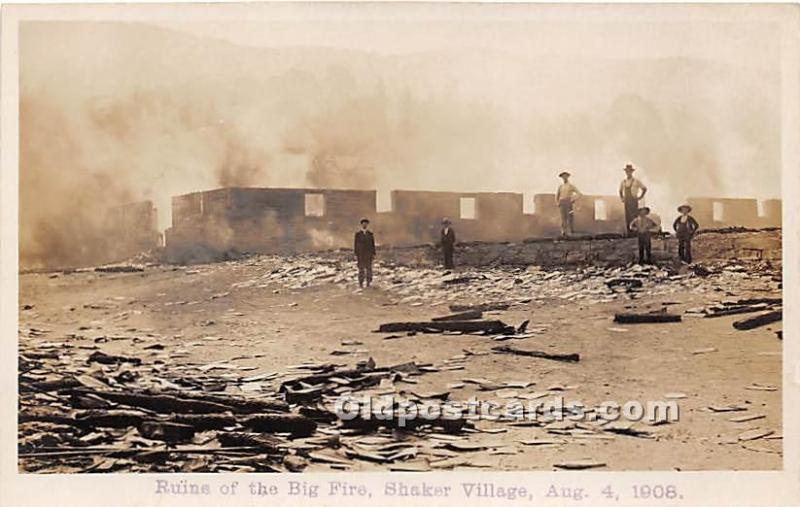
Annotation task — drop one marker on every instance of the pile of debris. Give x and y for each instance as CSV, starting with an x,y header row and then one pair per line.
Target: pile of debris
x,y
510,285
769,310
98,412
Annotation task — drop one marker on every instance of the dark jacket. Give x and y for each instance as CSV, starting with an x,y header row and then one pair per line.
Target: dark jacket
x,y
686,229
449,238
364,245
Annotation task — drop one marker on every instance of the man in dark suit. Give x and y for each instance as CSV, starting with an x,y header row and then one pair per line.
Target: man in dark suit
x,y
448,243
364,247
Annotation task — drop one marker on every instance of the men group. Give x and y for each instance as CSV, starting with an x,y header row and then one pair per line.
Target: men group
x,y
639,223
364,249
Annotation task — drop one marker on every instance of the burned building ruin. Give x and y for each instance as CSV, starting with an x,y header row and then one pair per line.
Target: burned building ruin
x,y
289,220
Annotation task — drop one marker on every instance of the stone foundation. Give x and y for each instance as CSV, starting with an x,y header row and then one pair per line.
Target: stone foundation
x,y
709,246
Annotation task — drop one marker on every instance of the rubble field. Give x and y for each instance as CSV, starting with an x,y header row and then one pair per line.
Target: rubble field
x,y
237,366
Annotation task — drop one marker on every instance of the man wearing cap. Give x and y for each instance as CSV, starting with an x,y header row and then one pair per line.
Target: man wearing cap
x,y
685,227
448,242
566,195
631,191
643,226
364,248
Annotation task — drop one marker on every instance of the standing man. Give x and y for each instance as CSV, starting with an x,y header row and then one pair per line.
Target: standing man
x,y
631,191
448,243
566,195
685,227
364,247
643,227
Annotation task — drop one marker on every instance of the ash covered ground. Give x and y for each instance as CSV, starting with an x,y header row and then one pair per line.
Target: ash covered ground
x,y
236,366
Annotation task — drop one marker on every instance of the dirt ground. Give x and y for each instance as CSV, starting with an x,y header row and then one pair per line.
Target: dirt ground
x,y
271,327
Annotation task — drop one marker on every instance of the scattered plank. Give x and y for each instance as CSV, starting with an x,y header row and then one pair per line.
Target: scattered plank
x,y
159,403
467,315
296,424
754,434
579,464
508,349
759,320
645,318
465,326
745,418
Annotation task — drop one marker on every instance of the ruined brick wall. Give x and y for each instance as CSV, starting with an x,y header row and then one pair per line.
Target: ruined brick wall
x,y
266,220
594,214
129,229
284,220
717,213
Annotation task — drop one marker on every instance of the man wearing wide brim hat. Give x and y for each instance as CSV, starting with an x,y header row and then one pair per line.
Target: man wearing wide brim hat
x,y
448,242
643,227
566,195
631,191
685,228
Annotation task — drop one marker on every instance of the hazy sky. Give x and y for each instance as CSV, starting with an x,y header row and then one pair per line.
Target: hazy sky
x,y
458,97
729,34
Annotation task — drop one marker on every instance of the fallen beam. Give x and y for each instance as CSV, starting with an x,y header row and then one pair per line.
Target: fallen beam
x,y
643,318
468,315
507,349
190,403
466,326
759,320
735,310
237,404
159,403
296,424
756,301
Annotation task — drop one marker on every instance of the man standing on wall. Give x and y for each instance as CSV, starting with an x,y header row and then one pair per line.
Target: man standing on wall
x,y
448,243
566,195
364,247
631,191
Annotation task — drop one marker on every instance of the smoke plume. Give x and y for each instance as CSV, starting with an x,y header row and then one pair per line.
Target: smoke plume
x,y
126,112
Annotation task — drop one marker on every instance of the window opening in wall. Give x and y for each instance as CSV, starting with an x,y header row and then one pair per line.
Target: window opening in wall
x,y
762,212
467,205
718,212
600,212
528,205
315,205
383,201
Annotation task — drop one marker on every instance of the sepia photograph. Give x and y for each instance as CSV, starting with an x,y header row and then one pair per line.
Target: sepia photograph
x,y
353,237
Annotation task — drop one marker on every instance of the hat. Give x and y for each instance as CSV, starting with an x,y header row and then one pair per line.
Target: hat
x,y
684,207
629,167
363,220
564,173
445,220
645,209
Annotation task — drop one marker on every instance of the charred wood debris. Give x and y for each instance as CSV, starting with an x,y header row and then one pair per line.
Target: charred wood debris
x,y
85,410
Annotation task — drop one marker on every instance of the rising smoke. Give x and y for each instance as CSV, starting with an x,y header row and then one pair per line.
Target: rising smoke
x,y
125,112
